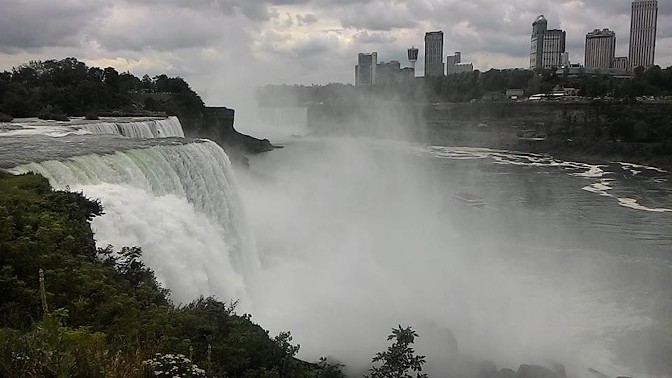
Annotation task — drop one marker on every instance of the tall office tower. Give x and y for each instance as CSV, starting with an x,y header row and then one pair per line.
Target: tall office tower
x,y
434,54
643,22
413,57
600,49
564,59
539,27
365,70
553,48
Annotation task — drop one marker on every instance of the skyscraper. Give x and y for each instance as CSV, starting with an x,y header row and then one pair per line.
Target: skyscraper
x,y
554,47
539,27
643,23
600,49
434,54
547,46
365,70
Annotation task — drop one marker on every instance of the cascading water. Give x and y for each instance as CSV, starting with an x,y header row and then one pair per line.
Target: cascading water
x,y
178,202
145,128
159,128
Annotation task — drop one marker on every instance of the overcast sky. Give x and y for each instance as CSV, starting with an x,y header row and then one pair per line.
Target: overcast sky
x,y
226,47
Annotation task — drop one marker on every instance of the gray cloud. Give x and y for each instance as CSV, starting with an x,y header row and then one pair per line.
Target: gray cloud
x,y
45,23
381,38
377,15
306,19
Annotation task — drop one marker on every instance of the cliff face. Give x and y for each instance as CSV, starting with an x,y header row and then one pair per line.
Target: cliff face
x,y
216,124
636,132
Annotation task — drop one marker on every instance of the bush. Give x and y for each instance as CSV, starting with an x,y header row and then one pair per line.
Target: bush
x,y
52,113
5,117
91,116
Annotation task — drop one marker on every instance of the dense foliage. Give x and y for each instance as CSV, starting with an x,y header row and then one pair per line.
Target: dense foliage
x,y
105,314
473,85
69,87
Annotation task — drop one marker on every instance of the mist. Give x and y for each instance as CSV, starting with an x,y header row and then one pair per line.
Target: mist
x,y
357,235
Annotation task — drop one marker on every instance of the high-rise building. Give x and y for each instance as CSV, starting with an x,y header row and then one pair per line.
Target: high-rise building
x,y
547,46
600,49
434,54
554,47
365,70
643,23
539,27
621,63
564,59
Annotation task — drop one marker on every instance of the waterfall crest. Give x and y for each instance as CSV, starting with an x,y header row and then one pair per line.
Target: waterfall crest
x,y
157,128
178,202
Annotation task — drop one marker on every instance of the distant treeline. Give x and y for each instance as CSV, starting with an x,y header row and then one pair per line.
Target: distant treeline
x,y
473,85
72,88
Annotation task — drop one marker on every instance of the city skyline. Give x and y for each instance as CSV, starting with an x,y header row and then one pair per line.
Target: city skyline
x,y
224,46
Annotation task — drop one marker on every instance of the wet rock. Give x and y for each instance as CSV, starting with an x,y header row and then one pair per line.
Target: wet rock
x,y
507,373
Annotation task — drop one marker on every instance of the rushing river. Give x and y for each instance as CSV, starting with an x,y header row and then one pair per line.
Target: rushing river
x,y
524,258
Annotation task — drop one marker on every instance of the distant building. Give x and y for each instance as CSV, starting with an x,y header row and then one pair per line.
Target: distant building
x,y
643,24
452,61
554,47
455,66
564,59
391,73
365,70
434,54
577,71
539,27
412,58
600,49
621,63
546,46
515,93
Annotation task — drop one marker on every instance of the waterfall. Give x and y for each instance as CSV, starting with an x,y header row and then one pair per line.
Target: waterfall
x,y
157,128
178,202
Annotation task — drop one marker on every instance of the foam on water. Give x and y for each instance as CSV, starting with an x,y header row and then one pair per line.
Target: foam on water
x,y
587,171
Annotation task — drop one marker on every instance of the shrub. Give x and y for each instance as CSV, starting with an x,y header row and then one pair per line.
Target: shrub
x,y
52,113
5,117
91,116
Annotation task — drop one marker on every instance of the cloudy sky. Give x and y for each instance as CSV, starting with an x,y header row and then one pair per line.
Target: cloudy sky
x,y
224,48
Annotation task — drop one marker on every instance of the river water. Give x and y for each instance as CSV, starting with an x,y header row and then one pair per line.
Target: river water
x,y
552,262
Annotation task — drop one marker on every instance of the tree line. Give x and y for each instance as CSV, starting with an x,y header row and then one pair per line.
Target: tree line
x,y
72,88
469,86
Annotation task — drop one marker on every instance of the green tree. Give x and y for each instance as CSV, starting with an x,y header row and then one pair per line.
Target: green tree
x,y
399,360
